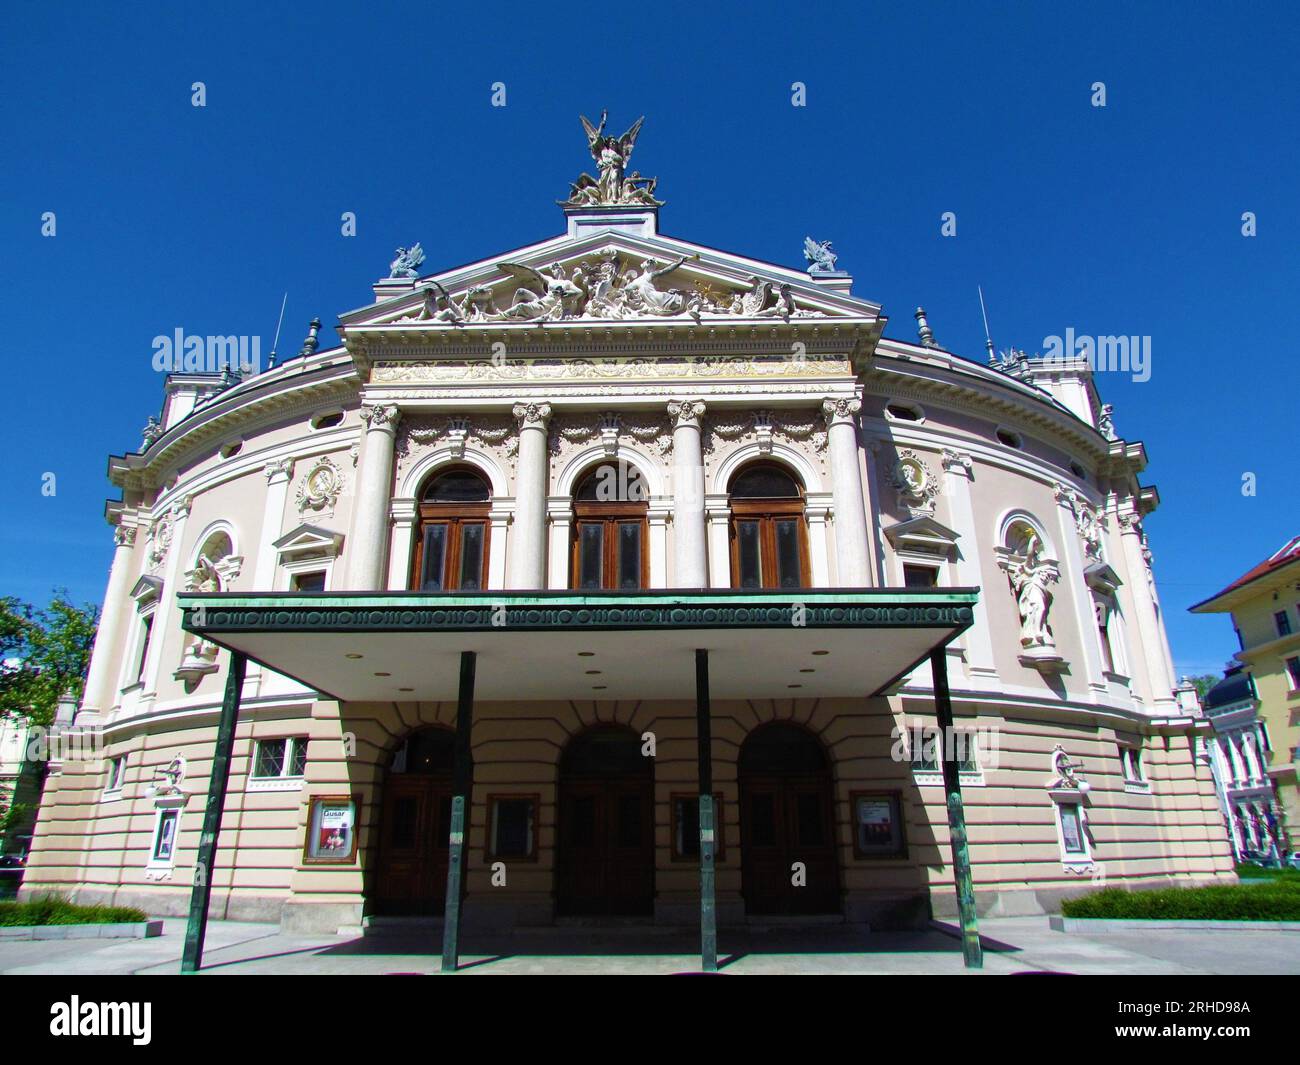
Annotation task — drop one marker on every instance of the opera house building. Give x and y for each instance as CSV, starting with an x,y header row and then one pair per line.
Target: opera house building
x,y
617,576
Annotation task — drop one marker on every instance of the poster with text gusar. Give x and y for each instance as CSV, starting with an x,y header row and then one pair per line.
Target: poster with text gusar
x,y
332,831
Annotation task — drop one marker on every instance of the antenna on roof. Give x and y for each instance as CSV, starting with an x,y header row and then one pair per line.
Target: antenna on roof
x,y
988,340
270,362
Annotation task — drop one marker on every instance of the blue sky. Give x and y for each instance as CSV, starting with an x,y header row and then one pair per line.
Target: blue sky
x,y
1117,220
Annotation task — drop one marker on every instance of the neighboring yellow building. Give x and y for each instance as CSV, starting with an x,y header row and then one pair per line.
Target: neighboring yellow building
x,y
1265,606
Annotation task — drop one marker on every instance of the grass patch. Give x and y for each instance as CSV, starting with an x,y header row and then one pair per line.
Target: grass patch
x,y
52,909
1276,901
1246,871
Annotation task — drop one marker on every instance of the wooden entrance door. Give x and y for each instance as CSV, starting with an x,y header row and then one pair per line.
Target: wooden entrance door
x,y
786,817
415,826
605,850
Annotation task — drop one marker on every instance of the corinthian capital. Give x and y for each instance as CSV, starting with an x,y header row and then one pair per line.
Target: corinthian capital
x,y
381,417
531,415
124,536
841,410
686,412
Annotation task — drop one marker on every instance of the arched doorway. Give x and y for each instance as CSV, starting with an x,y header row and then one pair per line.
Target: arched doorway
x,y
605,858
415,826
786,805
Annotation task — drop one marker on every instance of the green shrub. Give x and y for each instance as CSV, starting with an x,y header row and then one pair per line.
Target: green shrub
x,y
53,909
1275,901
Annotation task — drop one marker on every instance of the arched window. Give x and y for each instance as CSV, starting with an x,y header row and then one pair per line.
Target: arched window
x,y
769,536
451,552
610,523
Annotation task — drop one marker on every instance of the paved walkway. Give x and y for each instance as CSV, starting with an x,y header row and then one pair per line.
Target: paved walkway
x,y
1012,945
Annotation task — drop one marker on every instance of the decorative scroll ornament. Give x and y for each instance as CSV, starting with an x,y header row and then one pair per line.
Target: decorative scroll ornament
x,y
916,484
768,426
160,538
320,488
613,186
407,262
488,431
1065,774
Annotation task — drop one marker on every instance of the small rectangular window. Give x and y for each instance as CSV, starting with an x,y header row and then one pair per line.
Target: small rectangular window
x,y
146,632
270,758
308,582
920,576
116,773
1293,672
514,827
164,840
1283,622
1072,830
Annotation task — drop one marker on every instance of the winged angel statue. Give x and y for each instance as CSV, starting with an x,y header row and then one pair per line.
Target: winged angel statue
x,y
613,185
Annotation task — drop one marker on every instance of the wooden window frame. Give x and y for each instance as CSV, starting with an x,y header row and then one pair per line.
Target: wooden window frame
x,y
489,843
767,512
611,515
455,516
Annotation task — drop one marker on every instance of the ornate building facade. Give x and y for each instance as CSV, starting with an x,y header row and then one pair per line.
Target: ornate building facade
x,y
584,464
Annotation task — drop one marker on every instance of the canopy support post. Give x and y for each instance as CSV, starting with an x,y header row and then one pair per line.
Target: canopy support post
x,y
462,783
196,929
704,741
971,950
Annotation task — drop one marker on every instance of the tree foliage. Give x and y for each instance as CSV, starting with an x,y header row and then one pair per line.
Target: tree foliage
x,y
43,654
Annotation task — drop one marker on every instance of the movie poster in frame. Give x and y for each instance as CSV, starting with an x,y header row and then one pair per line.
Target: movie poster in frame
x,y
332,830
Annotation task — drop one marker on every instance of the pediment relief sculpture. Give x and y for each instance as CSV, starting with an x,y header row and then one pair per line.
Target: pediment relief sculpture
x,y
609,285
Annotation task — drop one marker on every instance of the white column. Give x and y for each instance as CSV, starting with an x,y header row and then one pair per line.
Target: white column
x,y
1085,615
851,556
657,516
403,512
528,548
717,517
278,475
373,497
958,472
1155,656
691,562
105,660
560,514
172,584
499,519
819,555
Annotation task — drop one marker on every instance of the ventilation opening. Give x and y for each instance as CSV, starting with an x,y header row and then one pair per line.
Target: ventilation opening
x,y
327,421
904,412
1011,439
232,449
1078,471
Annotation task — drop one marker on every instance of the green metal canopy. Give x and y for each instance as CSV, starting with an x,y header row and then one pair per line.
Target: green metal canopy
x,y
387,646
